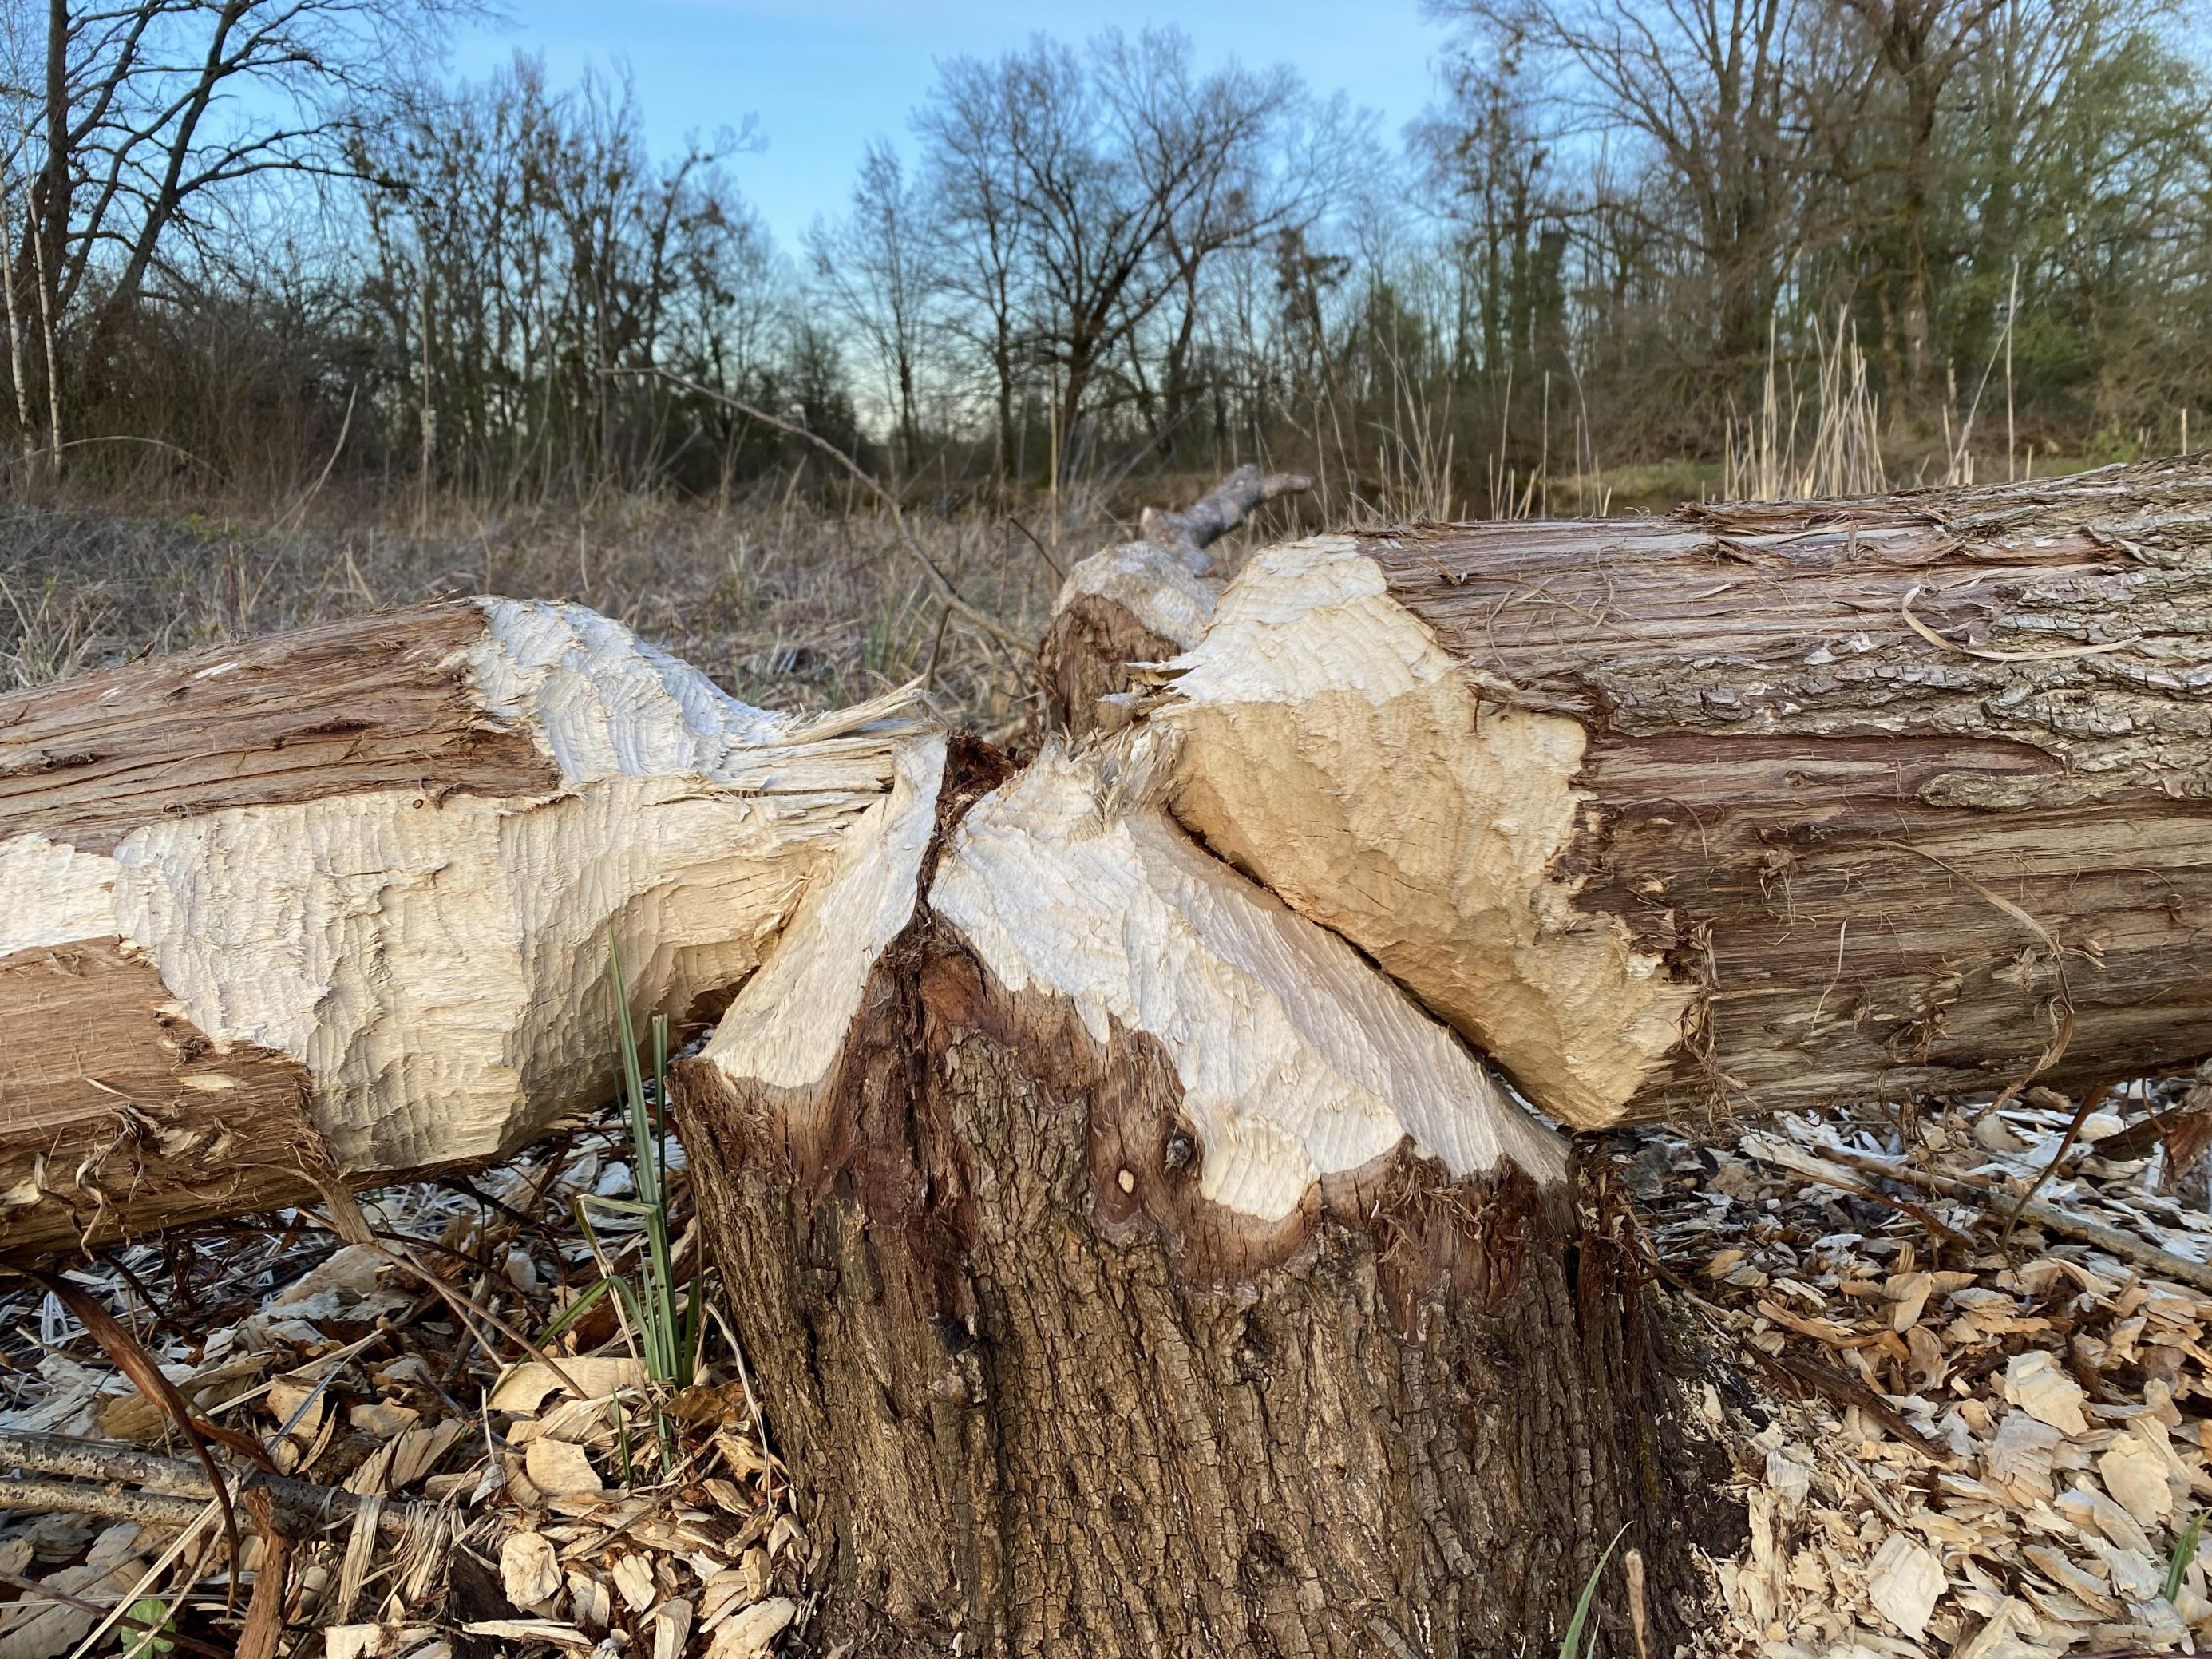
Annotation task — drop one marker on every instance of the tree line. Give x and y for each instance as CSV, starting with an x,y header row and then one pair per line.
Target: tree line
x,y
255,240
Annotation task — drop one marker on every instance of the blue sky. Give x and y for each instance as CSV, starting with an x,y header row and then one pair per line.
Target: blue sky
x,y
825,76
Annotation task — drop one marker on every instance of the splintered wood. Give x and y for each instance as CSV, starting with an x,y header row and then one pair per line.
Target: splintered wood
x,y
1953,1444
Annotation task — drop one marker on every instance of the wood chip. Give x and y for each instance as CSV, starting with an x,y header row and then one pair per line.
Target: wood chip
x,y
383,1418
2091,1510
2033,1382
526,1388
531,1630
748,1635
529,1569
2019,1461
2135,1477
671,1623
633,1576
1903,1582
1908,1294
358,1641
2077,1582
555,1468
589,1603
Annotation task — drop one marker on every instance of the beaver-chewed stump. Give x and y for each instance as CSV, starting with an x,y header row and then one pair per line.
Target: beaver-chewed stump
x,y
1128,1267
1105,1163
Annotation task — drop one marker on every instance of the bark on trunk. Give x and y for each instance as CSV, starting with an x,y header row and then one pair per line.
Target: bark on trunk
x,y
1755,808
1127,1268
334,908
1143,601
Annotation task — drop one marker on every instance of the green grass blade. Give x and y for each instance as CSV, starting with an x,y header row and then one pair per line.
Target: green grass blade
x,y
1570,1645
575,1311
660,1097
2184,1553
640,1132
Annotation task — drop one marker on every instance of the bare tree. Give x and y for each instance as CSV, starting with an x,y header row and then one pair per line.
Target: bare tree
x,y
873,267
151,108
1923,44
1707,85
1088,190
977,225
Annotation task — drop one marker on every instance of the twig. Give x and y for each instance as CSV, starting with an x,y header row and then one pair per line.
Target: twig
x,y
167,1490
938,580
2065,1142
468,1312
1030,535
298,515
74,1497
262,1633
128,438
1813,1168
1850,1391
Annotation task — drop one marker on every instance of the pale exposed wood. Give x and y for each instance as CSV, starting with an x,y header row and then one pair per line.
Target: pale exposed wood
x,y
335,907
1296,1061
1752,808
1145,600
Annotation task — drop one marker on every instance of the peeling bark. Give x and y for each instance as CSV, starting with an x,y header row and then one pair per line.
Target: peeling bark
x,y
1755,808
334,908
1133,1270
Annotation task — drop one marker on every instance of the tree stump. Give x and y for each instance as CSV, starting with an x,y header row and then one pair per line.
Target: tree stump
x,y
1126,1268
1143,601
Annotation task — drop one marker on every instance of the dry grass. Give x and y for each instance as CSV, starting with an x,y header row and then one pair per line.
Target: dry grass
x,y
791,601
791,604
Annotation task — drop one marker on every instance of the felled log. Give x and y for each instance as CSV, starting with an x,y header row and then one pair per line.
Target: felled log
x,y
1751,808
334,908
1126,1268
1143,601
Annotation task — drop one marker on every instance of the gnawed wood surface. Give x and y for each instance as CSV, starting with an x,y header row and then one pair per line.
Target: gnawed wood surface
x,y
1756,808
1143,601
1082,1191
335,906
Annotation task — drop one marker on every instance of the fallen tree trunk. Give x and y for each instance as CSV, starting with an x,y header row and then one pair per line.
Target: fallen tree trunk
x,y
1143,601
1753,808
331,908
1126,1268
